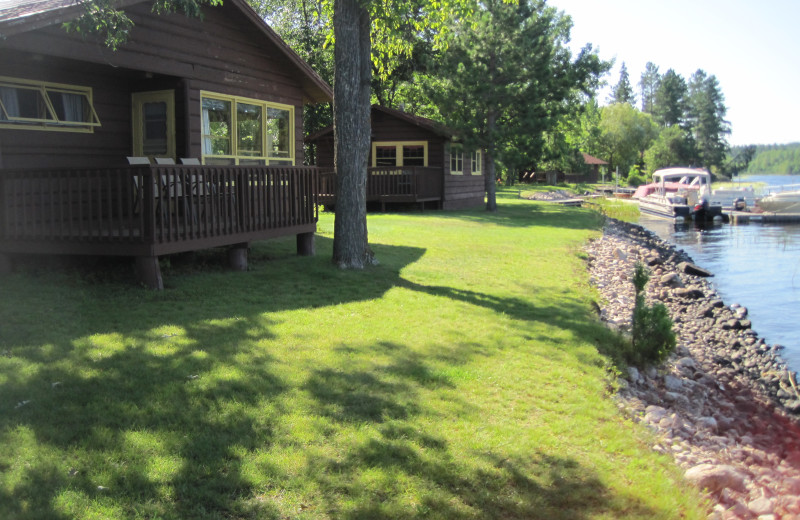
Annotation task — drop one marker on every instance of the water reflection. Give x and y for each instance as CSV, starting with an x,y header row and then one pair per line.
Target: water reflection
x,y
755,265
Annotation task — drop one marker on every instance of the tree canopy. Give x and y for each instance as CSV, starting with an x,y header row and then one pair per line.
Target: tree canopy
x,y
507,78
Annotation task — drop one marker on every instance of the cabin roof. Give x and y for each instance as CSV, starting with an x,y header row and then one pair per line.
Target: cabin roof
x,y
419,121
588,159
19,16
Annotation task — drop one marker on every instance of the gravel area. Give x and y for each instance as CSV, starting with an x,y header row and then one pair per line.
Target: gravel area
x,y
724,406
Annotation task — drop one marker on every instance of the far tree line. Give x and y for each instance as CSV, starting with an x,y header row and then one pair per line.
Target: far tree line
x,y
770,159
674,121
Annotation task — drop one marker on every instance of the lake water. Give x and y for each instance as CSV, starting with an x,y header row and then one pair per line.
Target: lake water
x,y
754,265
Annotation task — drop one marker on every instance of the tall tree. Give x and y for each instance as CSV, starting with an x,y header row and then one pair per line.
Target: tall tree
x,y
507,78
648,86
670,100
706,119
623,92
351,130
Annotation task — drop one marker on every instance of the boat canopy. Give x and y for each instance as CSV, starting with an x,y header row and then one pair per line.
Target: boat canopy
x,y
689,176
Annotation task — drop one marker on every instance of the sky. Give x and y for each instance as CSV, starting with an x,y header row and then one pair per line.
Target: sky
x,y
753,49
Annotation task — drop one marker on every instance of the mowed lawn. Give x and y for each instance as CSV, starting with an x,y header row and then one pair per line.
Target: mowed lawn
x,y
466,376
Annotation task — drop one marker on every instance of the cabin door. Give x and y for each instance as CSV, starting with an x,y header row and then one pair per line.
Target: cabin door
x,y
154,123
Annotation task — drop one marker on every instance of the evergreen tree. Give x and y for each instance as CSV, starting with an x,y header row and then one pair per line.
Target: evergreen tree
x,y
648,86
623,92
670,97
706,119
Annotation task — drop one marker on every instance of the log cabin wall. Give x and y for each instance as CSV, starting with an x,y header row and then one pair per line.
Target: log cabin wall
x,y
388,128
466,190
224,53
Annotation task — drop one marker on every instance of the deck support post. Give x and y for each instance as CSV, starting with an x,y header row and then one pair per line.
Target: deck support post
x,y
148,272
237,257
305,244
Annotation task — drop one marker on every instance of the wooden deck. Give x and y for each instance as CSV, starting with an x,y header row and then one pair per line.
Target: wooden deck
x,y
412,184
148,211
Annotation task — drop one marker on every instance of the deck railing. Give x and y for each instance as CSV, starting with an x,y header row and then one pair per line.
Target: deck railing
x,y
161,208
398,184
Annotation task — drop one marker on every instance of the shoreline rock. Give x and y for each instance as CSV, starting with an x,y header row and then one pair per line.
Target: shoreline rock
x,y
725,404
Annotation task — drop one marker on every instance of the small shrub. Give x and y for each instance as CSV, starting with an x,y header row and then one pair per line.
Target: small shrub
x,y
652,337
636,177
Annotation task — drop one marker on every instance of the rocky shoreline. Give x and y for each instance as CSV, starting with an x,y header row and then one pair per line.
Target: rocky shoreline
x,y
725,406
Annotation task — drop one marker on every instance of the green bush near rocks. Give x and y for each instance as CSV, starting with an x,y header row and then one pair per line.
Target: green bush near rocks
x,y
652,337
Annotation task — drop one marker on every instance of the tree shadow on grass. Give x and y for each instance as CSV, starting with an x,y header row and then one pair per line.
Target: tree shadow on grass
x,y
463,485
140,401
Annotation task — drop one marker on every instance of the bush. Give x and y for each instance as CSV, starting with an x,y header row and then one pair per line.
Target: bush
x,y
652,337
636,177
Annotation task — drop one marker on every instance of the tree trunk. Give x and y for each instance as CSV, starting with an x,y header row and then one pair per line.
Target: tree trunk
x,y
351,130
491,175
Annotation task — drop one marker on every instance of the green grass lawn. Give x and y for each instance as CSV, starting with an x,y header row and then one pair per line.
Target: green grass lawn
x,y
466,376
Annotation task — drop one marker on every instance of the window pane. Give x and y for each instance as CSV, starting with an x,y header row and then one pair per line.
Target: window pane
x,y
476,162
385,156
216,127
248,120
278,137
25,103
413,155
456,159
154,128
71,107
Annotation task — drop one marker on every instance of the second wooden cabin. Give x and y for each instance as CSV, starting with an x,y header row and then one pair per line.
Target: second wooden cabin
x,y
413,160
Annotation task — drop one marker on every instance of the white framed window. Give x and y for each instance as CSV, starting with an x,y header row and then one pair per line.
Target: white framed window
x,y
456,159
39,105
475,162
239,130
400,153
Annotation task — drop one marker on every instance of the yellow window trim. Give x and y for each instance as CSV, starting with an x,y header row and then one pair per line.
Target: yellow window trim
x,y
137,100
476,162
456,149
51,123
399,148
250,101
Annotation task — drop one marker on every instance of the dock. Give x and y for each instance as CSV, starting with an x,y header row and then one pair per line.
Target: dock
x,y
745,217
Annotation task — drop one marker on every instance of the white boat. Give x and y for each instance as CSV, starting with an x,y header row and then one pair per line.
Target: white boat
x,y
679,194
780,202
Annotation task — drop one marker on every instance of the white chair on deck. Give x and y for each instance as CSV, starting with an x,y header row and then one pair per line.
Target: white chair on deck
x,y
137,187
138,161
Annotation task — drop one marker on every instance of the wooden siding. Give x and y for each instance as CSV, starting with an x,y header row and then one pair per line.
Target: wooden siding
x,y
463,191
224,53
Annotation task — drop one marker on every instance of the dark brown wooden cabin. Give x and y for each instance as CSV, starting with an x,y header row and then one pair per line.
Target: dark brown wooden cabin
x,y
225,92
413,160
